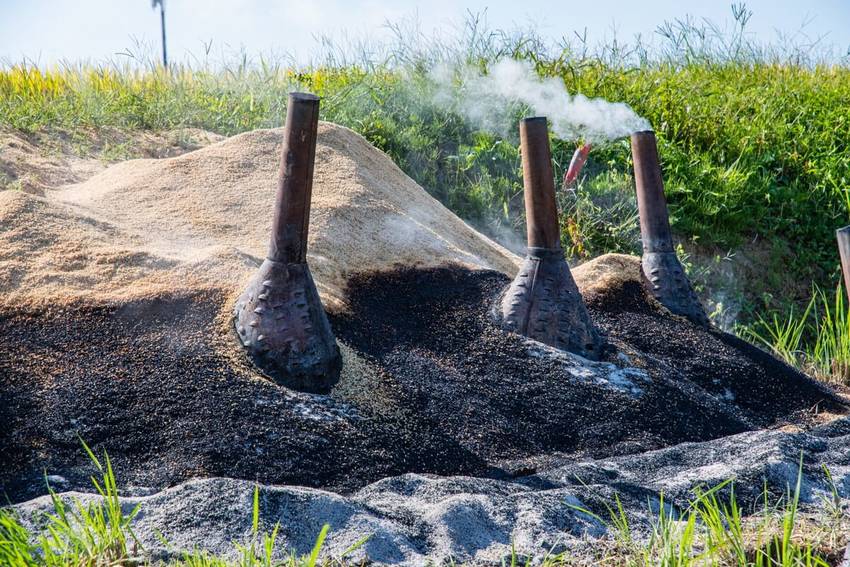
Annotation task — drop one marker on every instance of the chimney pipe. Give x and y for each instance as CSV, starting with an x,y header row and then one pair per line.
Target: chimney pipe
x,y
538,181
279,317
543,301
843,237
663,274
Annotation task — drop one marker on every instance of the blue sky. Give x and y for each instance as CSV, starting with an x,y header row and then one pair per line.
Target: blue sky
x,y
48,31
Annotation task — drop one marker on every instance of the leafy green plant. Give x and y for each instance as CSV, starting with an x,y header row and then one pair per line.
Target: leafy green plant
x,y
830,353
782,335
600,216
89,532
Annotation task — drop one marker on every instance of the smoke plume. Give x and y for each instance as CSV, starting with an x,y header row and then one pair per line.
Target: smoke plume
x,y
492,101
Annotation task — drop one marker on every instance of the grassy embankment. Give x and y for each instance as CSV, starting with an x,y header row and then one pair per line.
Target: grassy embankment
x,y
754,147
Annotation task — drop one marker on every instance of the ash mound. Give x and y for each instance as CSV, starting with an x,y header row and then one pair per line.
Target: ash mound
x,y
425,519
505,397
116,295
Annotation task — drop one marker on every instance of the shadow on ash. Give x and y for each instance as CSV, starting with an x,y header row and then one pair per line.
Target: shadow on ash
x,y
450,422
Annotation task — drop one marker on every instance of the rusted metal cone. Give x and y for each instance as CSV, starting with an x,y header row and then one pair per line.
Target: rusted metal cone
x,y
843,237
663,274
543,301
279,317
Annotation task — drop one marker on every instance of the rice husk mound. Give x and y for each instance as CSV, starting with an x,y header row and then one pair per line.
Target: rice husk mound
x,y
115,327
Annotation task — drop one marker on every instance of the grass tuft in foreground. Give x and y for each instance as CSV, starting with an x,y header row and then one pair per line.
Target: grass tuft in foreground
x,y
98,532
714,529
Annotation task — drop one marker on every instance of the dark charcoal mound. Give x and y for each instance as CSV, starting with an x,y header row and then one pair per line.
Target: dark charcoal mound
x,y
147,383
763,388
431,332
429,385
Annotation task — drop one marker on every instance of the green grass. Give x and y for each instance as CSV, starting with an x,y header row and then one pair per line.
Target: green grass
x,y
815,339
754,140
716,529
713,529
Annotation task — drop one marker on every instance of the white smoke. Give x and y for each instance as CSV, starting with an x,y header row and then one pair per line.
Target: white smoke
x,y
490,101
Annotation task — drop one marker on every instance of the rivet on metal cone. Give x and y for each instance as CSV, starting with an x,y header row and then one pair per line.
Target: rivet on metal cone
x,y
669,284
543,301
289,335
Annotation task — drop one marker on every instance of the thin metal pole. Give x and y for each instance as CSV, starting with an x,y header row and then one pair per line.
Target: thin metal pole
x,y
843,237
162,21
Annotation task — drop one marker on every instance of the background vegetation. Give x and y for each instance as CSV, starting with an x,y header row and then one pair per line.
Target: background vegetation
x,y
753,139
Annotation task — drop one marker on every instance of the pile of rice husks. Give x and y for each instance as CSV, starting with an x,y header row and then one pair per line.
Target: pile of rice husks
x,y
116,293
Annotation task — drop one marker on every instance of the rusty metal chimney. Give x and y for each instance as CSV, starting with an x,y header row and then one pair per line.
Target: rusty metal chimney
x,y
279,317
543,301
663,274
